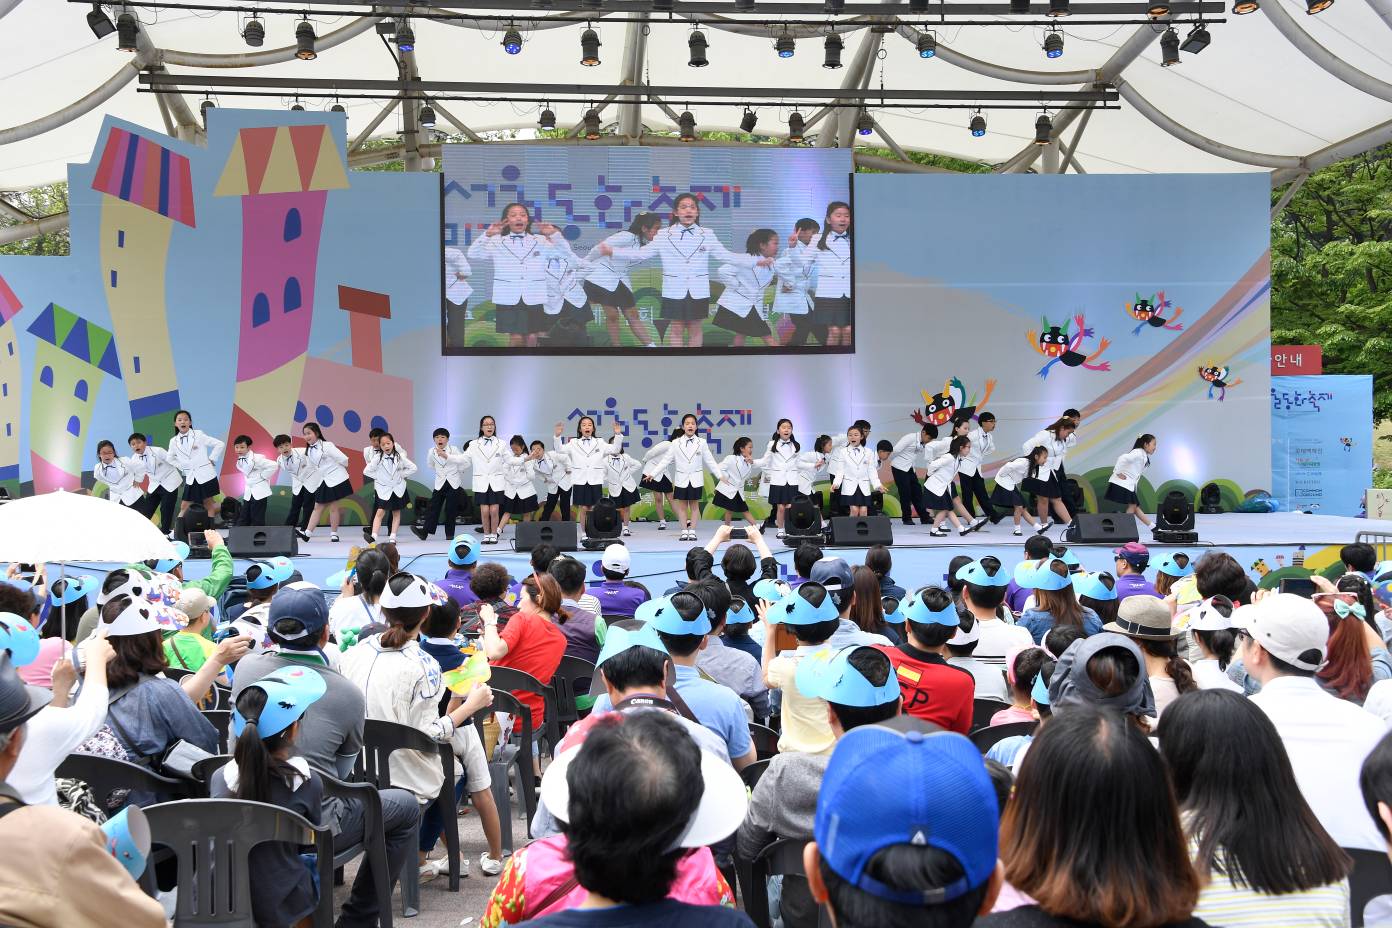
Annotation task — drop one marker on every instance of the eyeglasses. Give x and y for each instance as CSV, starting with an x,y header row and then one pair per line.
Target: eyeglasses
x,y
1243,635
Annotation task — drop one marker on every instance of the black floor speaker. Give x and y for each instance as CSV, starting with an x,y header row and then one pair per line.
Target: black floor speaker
x,y
1106,528
861,531
564,535
262,541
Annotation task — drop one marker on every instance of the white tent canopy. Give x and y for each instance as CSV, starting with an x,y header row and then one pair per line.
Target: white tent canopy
x,y
1277,90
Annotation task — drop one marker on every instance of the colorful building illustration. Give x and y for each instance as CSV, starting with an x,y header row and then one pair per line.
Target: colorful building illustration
x,y
10,392
283,175
146,189
350,400
70,355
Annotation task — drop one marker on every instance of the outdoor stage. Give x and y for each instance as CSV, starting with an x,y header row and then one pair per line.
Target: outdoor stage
x,y
1263,543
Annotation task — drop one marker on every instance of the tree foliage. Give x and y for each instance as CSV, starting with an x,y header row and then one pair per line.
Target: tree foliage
x,y
45,200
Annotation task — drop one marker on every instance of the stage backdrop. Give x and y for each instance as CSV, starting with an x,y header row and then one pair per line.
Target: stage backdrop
x,y
259,284
1322,442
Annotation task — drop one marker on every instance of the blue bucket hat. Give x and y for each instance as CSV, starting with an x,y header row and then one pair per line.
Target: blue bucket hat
x,y
1039,575
829,675
916,610
165,564
289,692
464,551
263,575
74,588
1091,585
796,609
975,573
19,638
666,619
1169,566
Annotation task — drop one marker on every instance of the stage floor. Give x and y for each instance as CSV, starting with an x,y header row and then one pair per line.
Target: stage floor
x,y
1261,542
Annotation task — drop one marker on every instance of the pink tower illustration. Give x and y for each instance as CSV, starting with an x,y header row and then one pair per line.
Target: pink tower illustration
x,y
10,392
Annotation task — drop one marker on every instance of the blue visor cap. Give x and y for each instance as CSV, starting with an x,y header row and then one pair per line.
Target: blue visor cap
x,y
1170,567
19,638
975,574
1038,575
1069,558
1040,691
265,574
620,640
165,564
74,588
464,551
335,581
289,692
739,613
894,616
666,618
796,609
771,590
1091,586
829,675
916,610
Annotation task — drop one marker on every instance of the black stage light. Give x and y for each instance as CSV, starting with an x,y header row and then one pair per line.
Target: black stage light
x,y
785,46
803,522
602,525
126,30
977,125
1197,40
1053,45
1169,48
749,121
304,41
1210,500
405,37
833,46
1174,520
696,43
1043,129
591,124
100,24
589,48
426,117
548,119
686,125
254,32
796,126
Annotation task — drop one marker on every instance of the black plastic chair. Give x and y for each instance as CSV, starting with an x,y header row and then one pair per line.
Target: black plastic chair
x,y
381,739
106,775
751,774
374,843
222,721
212,838
783,856
514,681
203,771
765,740
516,752
1371,877
987,738
571,681
983,709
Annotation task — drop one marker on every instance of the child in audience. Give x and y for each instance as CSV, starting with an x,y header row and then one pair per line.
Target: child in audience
x,y
809,612
1023,668
934,690
990,682
1171,569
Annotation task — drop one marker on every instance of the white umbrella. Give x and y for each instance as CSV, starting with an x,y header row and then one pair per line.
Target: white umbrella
x,y
65,527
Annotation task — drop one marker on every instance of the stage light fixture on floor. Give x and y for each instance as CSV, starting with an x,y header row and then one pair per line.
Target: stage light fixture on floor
x,y
927,45
686,124
1243,7
1169,49
977,124
865,123
589,48
126,30
1043,129
802,522
405,37
547,120
591,124
1317,6
304,41
749,121
602,525
1053,45
1058,8
785,46
696,45
100,24
1174,520
426,117
833,46
254,32
1197,40
1210,500
796,127
512,41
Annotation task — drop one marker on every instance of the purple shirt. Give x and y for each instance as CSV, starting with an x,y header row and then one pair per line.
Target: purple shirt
x,y
618,598
1134,585
1016,595
456,584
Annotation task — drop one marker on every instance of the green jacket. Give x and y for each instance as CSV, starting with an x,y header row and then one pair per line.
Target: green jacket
x,y
219,576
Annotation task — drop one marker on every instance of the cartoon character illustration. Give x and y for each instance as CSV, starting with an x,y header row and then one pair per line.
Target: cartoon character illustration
x,y
1260,567
1347,443
941,407
1217,376
1059,346
1150,311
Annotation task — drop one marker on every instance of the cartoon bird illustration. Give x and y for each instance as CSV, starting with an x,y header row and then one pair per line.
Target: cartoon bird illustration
x,y
1260,567
1055,343
939,408
1347,443
1217,376
1150,311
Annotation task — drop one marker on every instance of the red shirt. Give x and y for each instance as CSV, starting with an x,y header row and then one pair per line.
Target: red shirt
x,y
535,646
933,689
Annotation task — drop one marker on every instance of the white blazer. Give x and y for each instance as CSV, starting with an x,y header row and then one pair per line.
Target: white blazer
x,y
195,454
936,448
621,473
565,279
587,457
809,465
518,471
907,452
486,457
519,266
690,454
833,265
389,473
1012,473
686,253
734,472
119,477
446,471
983,443
796,275
744,288
298,467
1049,442
657,462
259,471
941,471
860,470
1127,472
155,464
554,471
780,463
330,463
836,461
608,271
457,274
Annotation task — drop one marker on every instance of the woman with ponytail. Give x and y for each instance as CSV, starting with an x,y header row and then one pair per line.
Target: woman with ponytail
x,y
357,609
1211,625
264,768
1357,656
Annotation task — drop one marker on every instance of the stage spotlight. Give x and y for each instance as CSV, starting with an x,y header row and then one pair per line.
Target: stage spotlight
x,y
591,124
602,525
1058,8
1317,6
1210,500
405,37
203,110
254,33
1043,129
547,120
833,47
338,108
426,117
1169,48
297,107
1243,7
795,127
697,45
865,123
512,41
686,124
785,46
977,125
927,45
100,24
589,48
1196,41
1053,45
126,30
802,522
1020,7
749,121
1158,8
304,41
1174,520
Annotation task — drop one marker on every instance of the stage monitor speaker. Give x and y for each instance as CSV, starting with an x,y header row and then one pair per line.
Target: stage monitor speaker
x,y
861,531
1110,528
564,535
262,541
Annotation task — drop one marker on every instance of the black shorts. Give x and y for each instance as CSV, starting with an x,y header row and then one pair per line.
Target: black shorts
x,y
782,494
328,494
197,492
520,319
624,498
938,502
488,497
831,310
690,494
1120,495
1007,498
622,298
686,308
392,503
857,498
741,325
657,484
520,505
730,503
586,494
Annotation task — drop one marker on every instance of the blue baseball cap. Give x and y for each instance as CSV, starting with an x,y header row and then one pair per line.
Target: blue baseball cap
x,y
976,574
297,616
943,798
1168,565
1039,575
464,551
668,620
289,692
74,588
916,610
796,609
829,675
1092,586
19,638
165,564
262,575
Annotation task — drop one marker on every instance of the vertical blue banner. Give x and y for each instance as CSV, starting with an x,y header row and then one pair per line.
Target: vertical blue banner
x,y
1322,442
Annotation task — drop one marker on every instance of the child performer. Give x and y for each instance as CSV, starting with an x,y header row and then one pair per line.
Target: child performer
x,y
258,471
329,468
831,255
519,273
293,461
608,283
567,309
782,465
819,468
519,491
657,477
797,276
485,457
1009,478
553,467
195,454
686,249
119,475
859,474
586,453
1121,489
735,471
691,457
940,495
743,296
969,472
457,293
388,470
621,473
163,489
1048,488
449,484
903,460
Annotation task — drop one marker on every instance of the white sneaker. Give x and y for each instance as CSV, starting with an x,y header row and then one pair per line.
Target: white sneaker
x,y
1017,531
488,866
626,532
662,525
433,868
333,536
780,533
391,538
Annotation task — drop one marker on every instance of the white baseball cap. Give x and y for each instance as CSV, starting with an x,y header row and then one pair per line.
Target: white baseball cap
x,y
615,559
1290,628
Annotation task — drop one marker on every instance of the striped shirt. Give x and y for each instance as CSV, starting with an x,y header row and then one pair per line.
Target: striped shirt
x,y
1223,904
